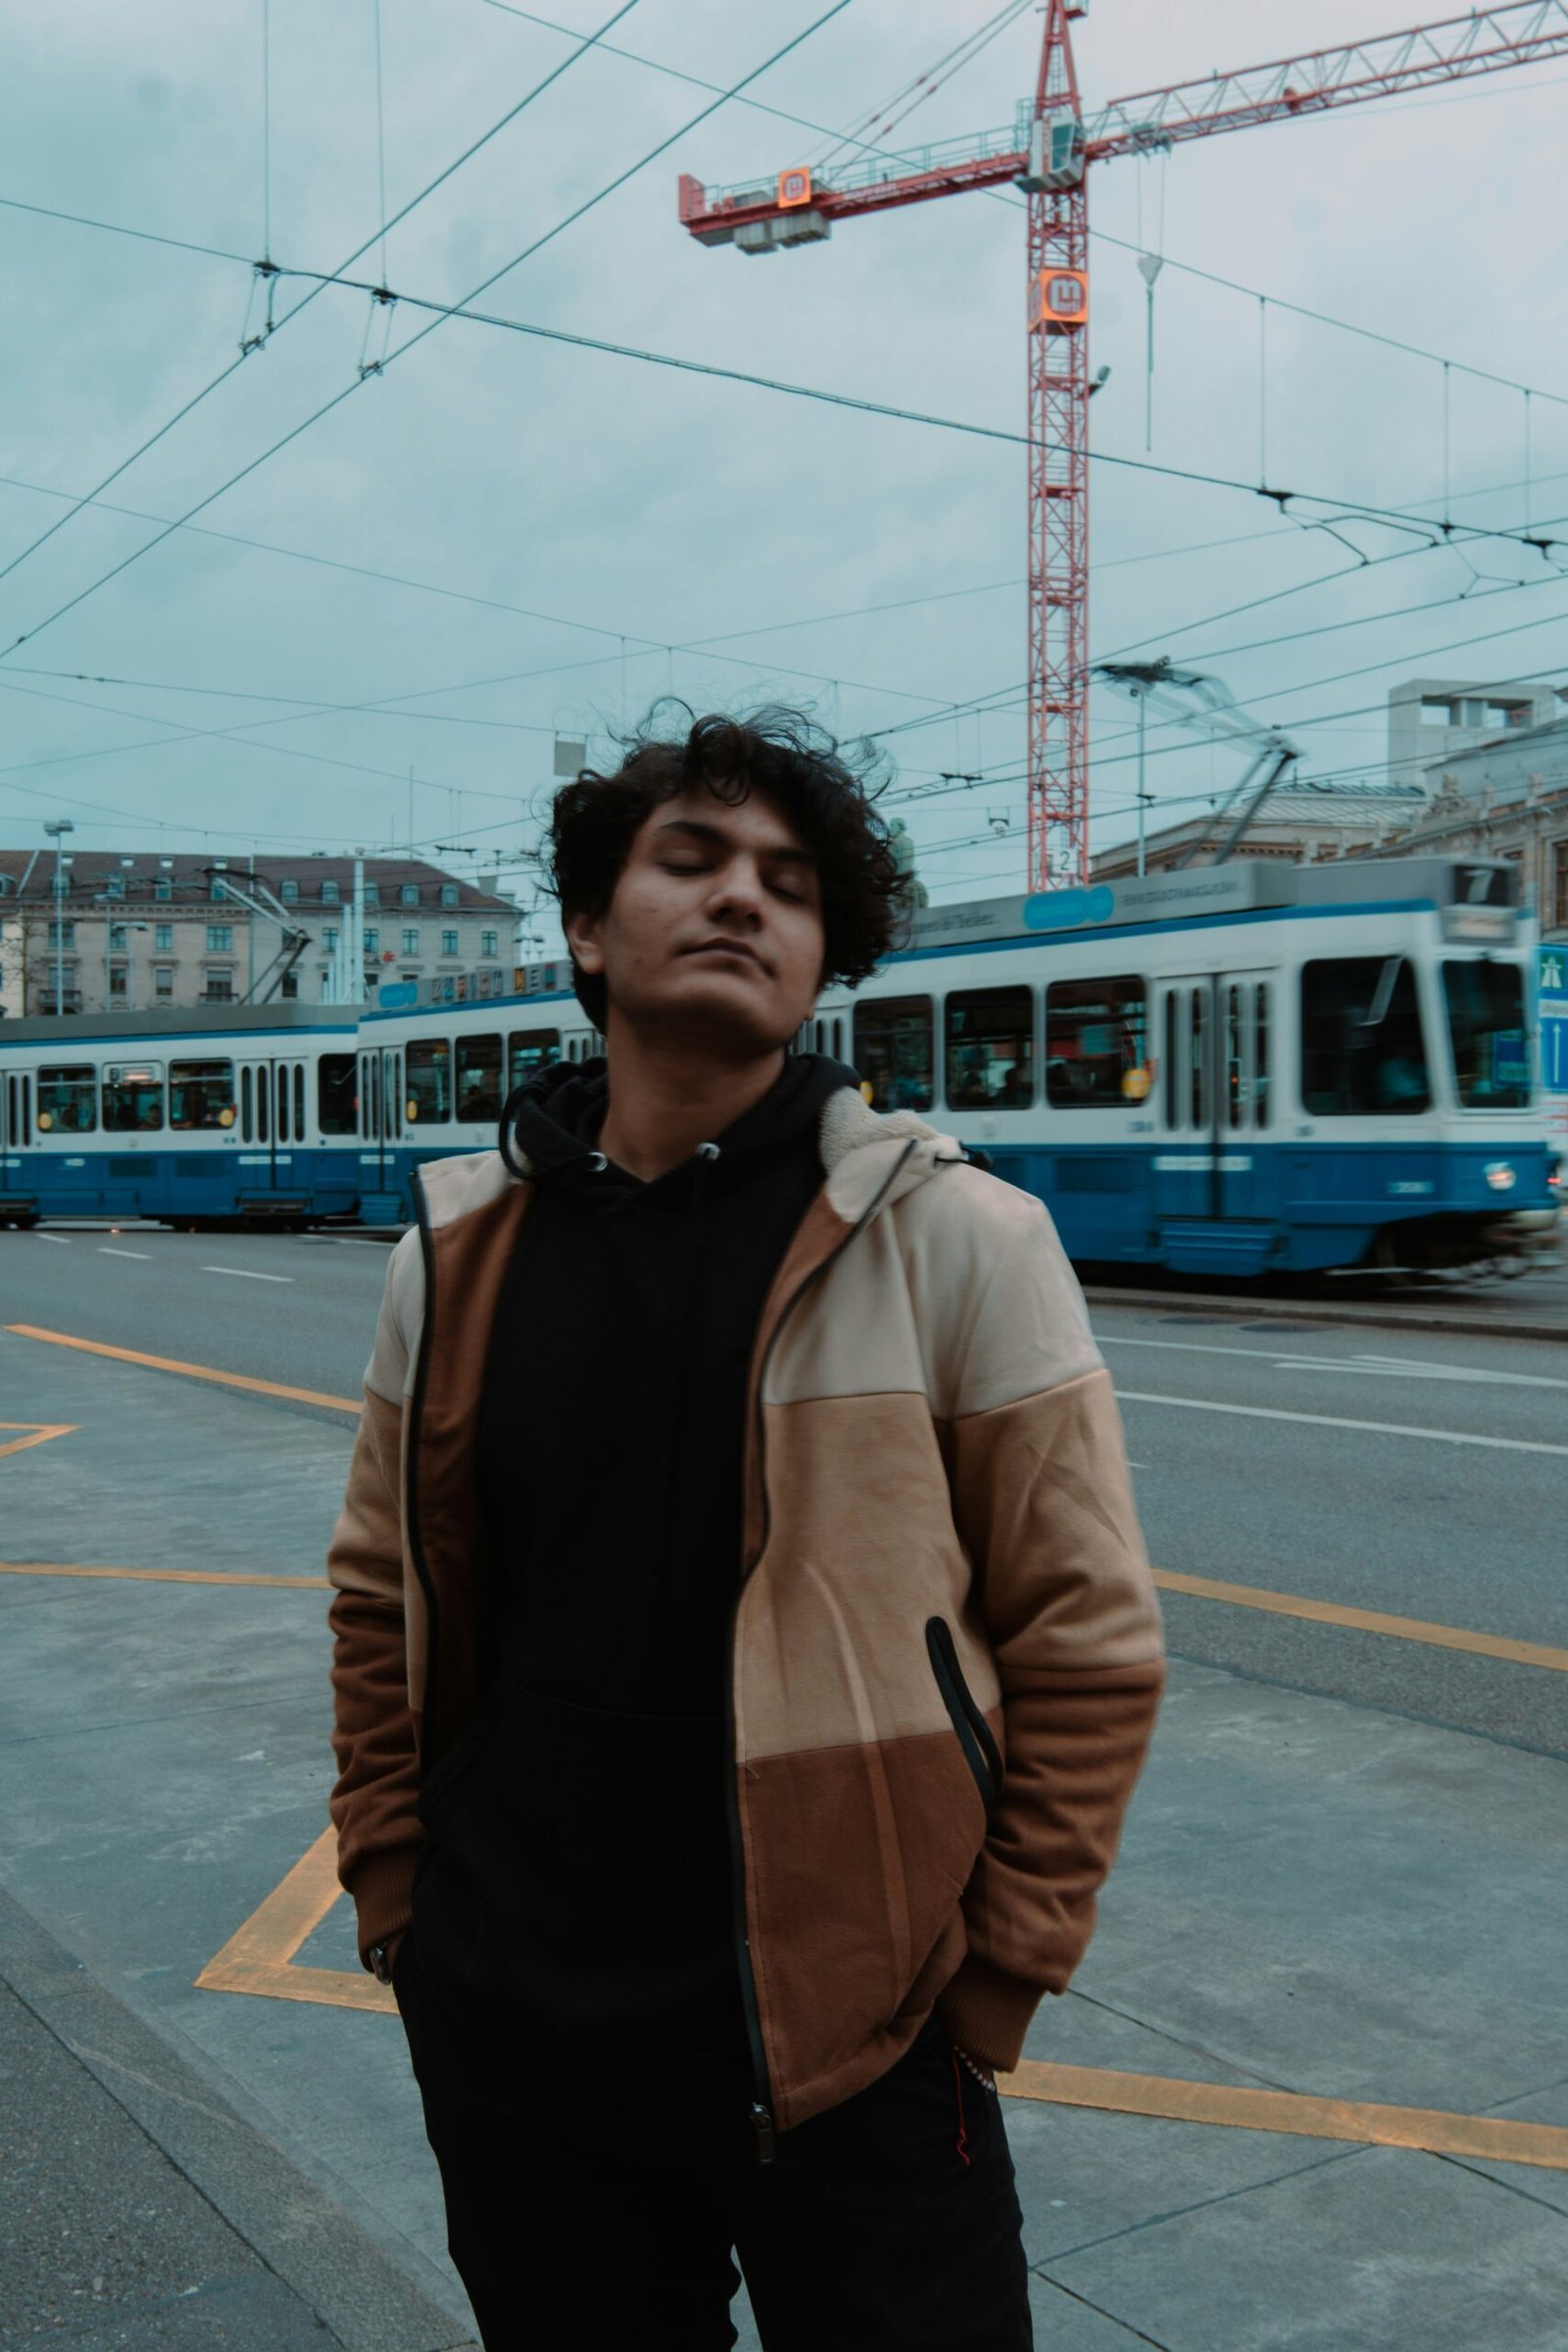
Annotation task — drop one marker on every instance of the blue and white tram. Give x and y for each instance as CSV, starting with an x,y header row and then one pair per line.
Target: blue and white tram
x,y
1237,1069
433,1079
214,1114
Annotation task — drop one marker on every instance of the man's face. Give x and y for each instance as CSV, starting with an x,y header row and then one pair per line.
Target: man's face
x,y
714,934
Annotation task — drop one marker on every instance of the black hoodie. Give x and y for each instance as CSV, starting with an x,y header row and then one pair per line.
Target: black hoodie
x,y
581,1874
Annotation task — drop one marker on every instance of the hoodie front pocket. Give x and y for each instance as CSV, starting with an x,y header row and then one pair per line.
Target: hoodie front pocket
x,y
969,1725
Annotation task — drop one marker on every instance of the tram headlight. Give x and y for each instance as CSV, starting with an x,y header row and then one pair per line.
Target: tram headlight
x,y
1500,1176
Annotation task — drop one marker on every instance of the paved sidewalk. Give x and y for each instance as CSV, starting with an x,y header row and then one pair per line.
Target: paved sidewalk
x,y
140,2212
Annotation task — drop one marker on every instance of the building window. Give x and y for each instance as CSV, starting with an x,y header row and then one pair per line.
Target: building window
x,y
449,943
291,985
331,895
409,894
163,938
289,892
162,888
1095,1038
411,942
220,888
219,988
448,893
62,934
487,943
1557,904
219,938
116,938
329,939
372,939
116,886
117,984
163,985
894,1051
372,894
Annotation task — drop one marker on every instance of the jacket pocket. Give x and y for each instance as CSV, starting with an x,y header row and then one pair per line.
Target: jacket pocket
x,y
969,1725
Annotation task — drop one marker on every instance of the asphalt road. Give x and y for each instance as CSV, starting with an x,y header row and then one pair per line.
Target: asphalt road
x,y
1422,1475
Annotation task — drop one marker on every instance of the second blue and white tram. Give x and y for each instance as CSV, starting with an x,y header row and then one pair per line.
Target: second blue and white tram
x,y
1239,1069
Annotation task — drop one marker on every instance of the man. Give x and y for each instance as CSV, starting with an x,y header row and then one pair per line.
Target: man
x,y
745,1647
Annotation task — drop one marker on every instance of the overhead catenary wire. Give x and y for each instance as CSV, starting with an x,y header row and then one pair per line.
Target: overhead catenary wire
x,y
326,407
274,326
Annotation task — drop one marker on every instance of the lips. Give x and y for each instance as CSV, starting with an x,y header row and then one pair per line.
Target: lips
x,y
726,947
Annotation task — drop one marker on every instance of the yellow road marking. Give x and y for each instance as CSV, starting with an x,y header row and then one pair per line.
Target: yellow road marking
x,y
1495,2138
1366,1621
170,1363
165,1576
259,1958
40,1434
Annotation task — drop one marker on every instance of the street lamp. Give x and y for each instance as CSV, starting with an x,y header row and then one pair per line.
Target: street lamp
x,y
56,827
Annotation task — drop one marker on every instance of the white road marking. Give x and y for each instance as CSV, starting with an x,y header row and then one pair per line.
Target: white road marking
x,y
1380,1429
245,1274
104,1251
64,1240
1417,1367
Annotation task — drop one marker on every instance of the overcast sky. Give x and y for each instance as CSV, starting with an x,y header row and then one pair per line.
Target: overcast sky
x,y
499,539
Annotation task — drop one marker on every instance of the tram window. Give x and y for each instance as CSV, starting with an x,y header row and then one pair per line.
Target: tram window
x,y
530,1050
201,1093
68,1100
245,1106
894,1051
134,1096
991,1048
427,1064
1362,1052
1235,1057
1096,1033
838,1039
1260,1081
1487,1025
283,1102
1200,1056
337,1106
264,1103
299,1102
1173,1092
480,1076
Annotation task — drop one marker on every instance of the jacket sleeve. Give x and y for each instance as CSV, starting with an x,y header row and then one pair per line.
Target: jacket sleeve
x,y
1043,1500
374,1732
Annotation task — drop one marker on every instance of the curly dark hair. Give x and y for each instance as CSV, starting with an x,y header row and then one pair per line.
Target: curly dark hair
x,y
826,790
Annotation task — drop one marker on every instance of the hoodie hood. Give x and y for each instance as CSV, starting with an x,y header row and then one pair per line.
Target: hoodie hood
x,y
550,1125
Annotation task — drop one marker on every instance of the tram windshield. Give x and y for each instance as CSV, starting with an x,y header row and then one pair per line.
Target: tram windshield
x,y
201,1093
1362,1052
68,1098
134,1096
1486,1003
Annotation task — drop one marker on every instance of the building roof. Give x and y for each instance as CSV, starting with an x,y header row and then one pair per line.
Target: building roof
x,y
89,873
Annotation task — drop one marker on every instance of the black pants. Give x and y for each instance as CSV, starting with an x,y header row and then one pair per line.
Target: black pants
x,y
578,2218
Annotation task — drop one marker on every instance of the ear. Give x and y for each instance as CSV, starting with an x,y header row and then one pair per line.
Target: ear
x,y
582,937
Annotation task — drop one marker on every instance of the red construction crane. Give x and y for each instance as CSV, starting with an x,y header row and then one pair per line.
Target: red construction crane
x,y
1046,152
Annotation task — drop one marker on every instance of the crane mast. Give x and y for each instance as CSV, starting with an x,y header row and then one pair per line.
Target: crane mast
x,y
1046,152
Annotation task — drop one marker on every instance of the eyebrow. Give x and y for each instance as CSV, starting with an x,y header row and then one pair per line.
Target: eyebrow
x,y
714,837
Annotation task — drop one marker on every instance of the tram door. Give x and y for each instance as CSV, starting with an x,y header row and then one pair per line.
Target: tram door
x,y
270,1122
380,1116
1216,1033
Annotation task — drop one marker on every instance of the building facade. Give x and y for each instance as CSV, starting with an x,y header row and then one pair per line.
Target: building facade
x,y
1300,824
131,933
1433,721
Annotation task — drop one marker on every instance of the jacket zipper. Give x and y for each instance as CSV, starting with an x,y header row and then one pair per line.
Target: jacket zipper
x,y
764,2128
411,1475
970,1727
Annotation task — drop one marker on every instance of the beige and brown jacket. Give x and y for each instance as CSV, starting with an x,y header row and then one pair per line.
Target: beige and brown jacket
x,y
947,1648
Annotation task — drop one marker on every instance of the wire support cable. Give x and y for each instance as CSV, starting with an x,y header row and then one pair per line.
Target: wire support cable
x,y
266,273
444,311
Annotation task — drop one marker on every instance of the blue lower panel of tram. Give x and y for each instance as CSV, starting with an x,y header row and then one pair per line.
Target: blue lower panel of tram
x,y
181,1184
1282,1207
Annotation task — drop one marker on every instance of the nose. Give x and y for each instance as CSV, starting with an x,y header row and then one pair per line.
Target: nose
x,y
737,892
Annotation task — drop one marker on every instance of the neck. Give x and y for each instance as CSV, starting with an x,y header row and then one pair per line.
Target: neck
x,y
666,1098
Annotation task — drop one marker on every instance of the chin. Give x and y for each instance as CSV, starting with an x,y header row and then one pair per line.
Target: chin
x,y
723,1016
